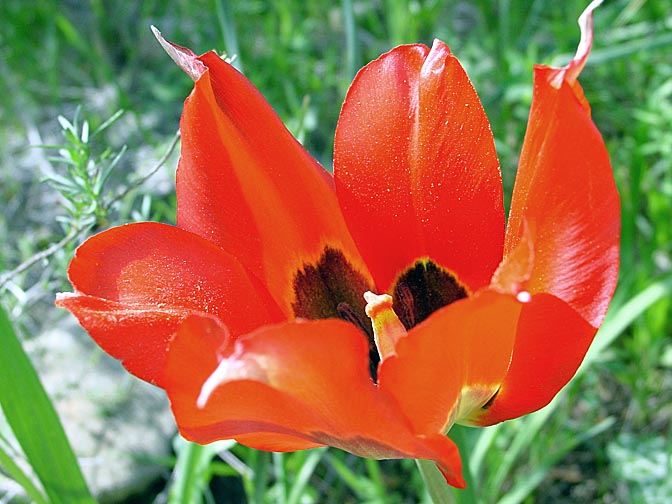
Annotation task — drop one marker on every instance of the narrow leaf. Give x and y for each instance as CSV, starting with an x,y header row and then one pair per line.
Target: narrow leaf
x,y
13,470
304,475
625,315
35,424
526,485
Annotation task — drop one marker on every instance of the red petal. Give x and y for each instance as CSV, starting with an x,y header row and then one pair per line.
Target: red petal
x,y
551,342
288,386
565,193
137,336
245,184
416,169
453,362
135,283
275,442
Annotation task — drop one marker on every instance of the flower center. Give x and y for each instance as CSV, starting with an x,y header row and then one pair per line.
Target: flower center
x,y
422,289
333,288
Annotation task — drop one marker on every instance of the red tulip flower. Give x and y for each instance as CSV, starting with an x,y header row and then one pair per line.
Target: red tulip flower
x,y
373,309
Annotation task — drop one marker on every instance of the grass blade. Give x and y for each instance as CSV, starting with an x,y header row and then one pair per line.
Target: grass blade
x,y
532,480
358,483
303,477
14,471
227,25
614,326
35,424
532,424
625,315
188,476
351,50
193,471
477,456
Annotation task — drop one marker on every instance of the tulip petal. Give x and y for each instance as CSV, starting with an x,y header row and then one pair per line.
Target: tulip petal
x,y
289,386
551,342
415,167
245,184
134,284
275,442
565,193
454,362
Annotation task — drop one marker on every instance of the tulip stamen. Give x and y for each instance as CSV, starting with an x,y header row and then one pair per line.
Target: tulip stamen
x,y
387,328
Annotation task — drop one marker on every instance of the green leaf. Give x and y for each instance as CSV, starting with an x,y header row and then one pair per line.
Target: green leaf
x,y
35,424
13,470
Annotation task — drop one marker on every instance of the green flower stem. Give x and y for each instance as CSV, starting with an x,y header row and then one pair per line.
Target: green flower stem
x,y
439,491
464,442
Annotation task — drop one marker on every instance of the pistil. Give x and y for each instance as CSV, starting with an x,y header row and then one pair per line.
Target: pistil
x,y
387,328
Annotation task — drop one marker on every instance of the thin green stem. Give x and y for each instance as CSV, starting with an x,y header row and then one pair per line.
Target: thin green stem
x,y
187,483
280,477
227,25
351,56
150,173
44,254
437,487
260,483
376,476
461,436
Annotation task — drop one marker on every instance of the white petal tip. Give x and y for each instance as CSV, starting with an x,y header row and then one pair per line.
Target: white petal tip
x,y
185,58
571,72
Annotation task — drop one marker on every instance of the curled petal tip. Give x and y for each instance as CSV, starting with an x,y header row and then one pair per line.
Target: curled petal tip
x,y
64,295
185,58
586,25
571,72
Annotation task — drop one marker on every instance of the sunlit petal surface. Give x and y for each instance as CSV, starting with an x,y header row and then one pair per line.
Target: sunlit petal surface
x,y
415,167
134,284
